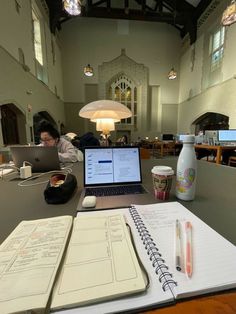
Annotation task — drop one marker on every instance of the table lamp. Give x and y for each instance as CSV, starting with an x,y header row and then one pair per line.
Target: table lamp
x,y
105,113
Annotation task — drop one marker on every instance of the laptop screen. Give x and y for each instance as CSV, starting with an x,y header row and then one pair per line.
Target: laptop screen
x,y
111,165
227,135
41,158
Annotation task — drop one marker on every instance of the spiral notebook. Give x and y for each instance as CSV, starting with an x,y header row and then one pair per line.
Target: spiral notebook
x,y
153,228
101,272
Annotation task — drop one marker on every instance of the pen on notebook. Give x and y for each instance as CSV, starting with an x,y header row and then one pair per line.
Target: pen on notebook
x,y
188,253
177,246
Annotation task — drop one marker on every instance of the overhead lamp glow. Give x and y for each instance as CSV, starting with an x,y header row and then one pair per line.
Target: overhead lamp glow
x,y
229,15
172,74
72,7
105,125
88,70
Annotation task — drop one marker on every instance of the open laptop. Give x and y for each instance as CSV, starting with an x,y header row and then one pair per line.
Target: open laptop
x,y
41,158
113,168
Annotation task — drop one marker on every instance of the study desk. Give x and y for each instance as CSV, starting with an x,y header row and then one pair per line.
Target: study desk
x,y
218,148
215,204
162,148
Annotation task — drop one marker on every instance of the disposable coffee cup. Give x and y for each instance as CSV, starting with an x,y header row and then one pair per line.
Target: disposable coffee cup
x,y
162,180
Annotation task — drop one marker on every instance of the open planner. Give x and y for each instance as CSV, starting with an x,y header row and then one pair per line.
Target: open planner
x,y
100,264
100,272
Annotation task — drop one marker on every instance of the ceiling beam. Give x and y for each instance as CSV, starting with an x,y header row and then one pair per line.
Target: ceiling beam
x,y
115,13
203,4
179,13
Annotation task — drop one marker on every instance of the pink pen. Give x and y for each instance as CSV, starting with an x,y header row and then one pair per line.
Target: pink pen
x,y
188,257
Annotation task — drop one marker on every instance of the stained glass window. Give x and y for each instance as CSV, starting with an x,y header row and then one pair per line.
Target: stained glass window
x,y
123,90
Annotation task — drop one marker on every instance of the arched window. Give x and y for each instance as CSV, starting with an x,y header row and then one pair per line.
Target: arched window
x,y
123,90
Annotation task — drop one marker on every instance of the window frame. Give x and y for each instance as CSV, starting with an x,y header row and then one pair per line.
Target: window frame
x,y
41,70
124,84
215,62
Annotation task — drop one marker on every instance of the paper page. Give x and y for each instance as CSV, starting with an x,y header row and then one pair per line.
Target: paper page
x,y
100,263
153,296
4,172
29,259
214,258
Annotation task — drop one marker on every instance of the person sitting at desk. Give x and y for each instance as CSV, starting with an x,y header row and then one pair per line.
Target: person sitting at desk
x,y
123,140
49,136
88,139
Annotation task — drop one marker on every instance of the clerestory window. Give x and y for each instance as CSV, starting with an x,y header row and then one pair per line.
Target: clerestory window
x,y
39,46
216,48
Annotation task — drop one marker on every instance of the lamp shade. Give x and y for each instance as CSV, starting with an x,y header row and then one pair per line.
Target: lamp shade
x,y
88,70
105,109
72,7
229,15
172,74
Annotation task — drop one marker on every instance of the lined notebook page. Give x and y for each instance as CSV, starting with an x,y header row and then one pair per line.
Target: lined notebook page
x,y
154,294
214,258
29,259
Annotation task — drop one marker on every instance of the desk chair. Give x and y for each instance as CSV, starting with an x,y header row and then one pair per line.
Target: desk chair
x,y
232,161
157,149
144,153
169,148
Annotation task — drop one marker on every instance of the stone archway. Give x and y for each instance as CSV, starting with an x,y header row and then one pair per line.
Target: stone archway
x,y
211,121
13,125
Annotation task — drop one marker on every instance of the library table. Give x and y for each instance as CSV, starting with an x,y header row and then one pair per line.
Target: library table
x,y
215,204
218,148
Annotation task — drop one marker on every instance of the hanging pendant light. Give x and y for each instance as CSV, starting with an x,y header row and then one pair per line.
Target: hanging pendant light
x,y
88,70
72,7
172,74
229,14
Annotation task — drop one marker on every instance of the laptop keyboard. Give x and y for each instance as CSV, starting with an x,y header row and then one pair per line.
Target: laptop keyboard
x,y
115,190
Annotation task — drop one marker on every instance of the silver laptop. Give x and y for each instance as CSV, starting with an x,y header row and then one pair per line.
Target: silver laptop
x,y
41,158
113,175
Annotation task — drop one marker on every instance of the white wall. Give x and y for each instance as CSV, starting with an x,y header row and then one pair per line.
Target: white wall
x,y
95,41
194,98
16,32
22,89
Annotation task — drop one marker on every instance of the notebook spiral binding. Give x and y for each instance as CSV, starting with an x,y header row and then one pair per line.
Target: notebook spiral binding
x,y
161,269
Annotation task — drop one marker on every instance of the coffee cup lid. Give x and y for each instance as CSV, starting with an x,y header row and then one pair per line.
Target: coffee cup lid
x,y
162,170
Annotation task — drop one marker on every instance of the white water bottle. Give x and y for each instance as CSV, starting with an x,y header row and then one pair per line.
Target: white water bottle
x,y
186,173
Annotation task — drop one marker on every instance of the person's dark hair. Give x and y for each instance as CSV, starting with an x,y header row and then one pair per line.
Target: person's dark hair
x,y
125,139
47,127
88,139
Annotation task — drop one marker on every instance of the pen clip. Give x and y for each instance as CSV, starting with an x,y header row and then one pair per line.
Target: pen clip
x,y
178,254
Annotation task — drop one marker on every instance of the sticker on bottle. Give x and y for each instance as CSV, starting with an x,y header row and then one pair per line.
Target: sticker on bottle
x,y
185,180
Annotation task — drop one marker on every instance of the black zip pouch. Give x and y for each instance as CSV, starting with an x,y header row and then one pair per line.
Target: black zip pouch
x,y
60,188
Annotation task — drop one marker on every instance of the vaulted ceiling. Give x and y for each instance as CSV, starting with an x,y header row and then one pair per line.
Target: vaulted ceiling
x,y
182,14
